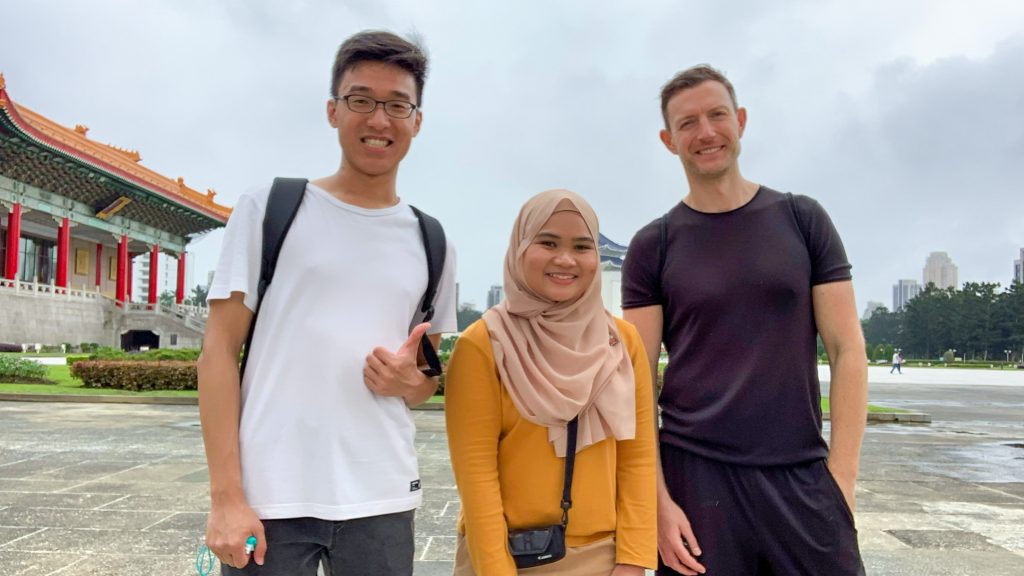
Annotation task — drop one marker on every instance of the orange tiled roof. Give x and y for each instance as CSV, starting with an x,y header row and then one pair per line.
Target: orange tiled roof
x,y
109,158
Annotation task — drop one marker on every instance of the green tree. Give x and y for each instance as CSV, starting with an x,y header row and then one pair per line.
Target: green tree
x,y
977,330
466,315
167,298
1011,320
198,297
883,327
928,321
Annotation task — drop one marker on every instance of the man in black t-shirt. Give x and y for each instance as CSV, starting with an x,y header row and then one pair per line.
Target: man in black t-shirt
x,y
738,280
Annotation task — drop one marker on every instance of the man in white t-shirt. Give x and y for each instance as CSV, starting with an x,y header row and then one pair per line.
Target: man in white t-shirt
x,y
897,359
313,451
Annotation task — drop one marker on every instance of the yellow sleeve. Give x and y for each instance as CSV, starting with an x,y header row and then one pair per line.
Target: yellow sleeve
x,y
636,529
473,418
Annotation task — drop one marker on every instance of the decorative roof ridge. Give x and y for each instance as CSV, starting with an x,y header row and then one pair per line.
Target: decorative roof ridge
x,y
132,155
124,162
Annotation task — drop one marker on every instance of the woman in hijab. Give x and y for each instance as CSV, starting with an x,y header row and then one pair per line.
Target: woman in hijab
x,y
548,353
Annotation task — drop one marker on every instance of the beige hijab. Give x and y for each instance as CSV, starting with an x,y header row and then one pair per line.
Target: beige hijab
x,y
560,359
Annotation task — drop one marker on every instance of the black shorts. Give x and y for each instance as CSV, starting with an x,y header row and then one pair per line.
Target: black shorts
x,y
370,546
763,521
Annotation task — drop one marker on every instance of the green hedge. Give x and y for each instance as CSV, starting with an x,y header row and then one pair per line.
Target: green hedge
x,y
158,355
136,375
13,369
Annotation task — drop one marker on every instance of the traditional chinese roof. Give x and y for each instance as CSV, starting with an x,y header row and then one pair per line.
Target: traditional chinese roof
x,y
611,252
42,153
605,242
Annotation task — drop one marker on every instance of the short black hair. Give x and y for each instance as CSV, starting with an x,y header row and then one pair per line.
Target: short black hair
x,y
381,46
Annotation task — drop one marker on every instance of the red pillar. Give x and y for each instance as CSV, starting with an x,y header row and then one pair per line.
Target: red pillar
x,y
13,236
63,247
179,290
99,264
154,262
122,268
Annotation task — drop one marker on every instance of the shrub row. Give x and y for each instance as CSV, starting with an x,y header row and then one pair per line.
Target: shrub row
x,y
158,355
136,376
14,369
85,347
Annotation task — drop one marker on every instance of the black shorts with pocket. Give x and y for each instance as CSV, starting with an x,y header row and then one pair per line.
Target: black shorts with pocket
x,y
763,521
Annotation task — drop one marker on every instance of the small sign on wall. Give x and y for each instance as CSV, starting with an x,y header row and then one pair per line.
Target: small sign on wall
x,y
81,262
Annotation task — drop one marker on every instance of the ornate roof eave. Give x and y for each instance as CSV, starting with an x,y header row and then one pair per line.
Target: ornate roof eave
x,y
606,242
118,163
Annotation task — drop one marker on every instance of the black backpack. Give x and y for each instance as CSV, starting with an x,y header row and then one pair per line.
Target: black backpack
x,y
282,205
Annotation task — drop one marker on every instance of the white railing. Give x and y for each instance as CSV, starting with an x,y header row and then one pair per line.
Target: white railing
x,y
192,316
35,289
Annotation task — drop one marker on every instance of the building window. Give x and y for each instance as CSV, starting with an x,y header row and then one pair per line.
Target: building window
x,y
174,339
38,259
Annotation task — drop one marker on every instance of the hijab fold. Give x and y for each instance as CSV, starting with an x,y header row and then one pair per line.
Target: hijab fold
x,y
560,359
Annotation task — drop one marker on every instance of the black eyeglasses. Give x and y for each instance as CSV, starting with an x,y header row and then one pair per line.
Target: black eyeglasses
x,y
366,105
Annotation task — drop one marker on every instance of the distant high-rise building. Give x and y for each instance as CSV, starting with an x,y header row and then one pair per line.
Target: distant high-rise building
x,y
495,295
870,310
1018,268
940,270
166,278
904,291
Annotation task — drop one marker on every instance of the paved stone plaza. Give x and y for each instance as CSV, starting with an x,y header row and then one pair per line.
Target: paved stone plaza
x,y
102,489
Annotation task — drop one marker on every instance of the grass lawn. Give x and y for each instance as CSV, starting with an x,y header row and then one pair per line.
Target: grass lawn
x,y
824,405
66,384
871,407
34,354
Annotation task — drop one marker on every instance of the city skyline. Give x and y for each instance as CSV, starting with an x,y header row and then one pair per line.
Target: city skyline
x,y
940,270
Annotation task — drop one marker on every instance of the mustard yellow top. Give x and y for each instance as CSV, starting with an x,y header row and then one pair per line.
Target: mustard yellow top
x,y
509,477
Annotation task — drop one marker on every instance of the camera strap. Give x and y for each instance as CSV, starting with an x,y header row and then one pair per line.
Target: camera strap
x,y
570,460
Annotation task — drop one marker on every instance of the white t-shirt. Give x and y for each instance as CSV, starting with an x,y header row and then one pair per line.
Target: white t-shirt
x,y
314,440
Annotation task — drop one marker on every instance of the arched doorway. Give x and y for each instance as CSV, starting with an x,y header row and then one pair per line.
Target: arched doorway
x,y
137,339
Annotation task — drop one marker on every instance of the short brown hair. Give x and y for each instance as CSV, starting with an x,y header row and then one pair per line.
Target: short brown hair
x,y
381,46
691,78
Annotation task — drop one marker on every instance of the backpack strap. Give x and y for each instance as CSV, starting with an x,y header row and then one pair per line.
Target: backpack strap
x,y
436,245
282,206
662,251
804,232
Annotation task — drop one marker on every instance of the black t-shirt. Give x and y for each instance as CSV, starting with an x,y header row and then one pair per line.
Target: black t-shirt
x,y
741,385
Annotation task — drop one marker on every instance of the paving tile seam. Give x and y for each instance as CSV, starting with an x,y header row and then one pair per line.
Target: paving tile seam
x,y
8,543
101,478
164,519
423,555
997,491
18,461
72,565
116,500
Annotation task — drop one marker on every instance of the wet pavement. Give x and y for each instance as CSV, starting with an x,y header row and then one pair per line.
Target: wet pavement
x,y
100,489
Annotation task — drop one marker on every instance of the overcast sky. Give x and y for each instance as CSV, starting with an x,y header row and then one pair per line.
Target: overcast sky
x,y
904,119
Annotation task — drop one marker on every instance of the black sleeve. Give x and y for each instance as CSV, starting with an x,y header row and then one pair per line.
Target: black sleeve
x,y
828,256
641,283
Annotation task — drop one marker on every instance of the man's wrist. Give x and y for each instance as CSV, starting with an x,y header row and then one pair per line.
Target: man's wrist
x,y
222,496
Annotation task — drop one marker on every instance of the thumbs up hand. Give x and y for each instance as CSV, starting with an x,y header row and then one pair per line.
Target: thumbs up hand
x,y
396,373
